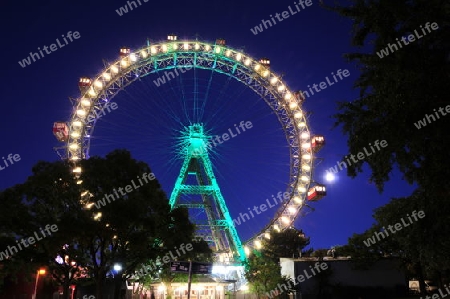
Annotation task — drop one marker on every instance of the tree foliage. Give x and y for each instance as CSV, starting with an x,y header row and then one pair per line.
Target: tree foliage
x,y
263,270
264,275
419,243
399,89
129,230
287,243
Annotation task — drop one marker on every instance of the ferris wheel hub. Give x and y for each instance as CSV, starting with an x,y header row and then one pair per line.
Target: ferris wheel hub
x,y
195,140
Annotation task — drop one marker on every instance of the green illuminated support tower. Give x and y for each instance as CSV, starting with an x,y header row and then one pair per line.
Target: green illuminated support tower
x,y
196,188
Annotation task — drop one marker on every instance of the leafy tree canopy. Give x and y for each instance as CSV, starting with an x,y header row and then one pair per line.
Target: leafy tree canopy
x,y
396,91
130,228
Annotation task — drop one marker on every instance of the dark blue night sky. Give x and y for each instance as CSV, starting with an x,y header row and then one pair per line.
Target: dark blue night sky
x,y
306,47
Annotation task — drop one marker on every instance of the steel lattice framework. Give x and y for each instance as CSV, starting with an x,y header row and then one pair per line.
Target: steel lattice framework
x,y
218,230
255,74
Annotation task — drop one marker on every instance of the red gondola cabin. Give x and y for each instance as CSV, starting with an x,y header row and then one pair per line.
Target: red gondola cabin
x,y
317,192
124,52
61,131
317,142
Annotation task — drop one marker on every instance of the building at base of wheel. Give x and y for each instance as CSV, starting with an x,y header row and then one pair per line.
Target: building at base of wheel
x,y
342,279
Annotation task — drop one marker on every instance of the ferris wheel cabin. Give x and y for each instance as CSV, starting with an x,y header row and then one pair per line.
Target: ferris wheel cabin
x,y
316,193
61,131
124,52
317,142
265,61
300,96
220,42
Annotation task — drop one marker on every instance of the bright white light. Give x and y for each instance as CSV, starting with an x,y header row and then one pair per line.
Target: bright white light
x,y
292,210
238,56
228,53
306,145
124,62
98,84
306,167
306,156
298,115
304,178
304,135
329,176
293,105
59,260
208,47
197,46
257,67
298,200
247,61
301,189
114,69
217,50
258,244
281,88
153,50
186,46
81,113
133,57
273,80
220,269
285,220
266,73
73,146
267,235
85,102
144,53
288,96
77,170
164,47
301,124
92,92
106,76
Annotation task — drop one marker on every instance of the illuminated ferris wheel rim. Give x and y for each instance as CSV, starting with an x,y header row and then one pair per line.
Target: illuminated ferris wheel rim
x,y
96,94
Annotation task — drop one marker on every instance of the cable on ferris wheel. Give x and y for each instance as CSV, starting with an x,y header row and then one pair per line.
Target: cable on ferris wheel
x,y
97,92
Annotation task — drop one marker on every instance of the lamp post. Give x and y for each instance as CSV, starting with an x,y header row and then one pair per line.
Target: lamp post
x,y
117,279
72,288
39,272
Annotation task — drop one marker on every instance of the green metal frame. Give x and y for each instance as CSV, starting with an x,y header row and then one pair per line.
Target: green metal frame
x,y
195,152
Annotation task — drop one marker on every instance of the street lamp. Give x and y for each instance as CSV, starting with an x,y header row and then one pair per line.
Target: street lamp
x,y
72,288
117,267
39,272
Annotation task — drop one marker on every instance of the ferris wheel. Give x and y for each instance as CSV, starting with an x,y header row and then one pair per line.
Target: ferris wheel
x,y
178,57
